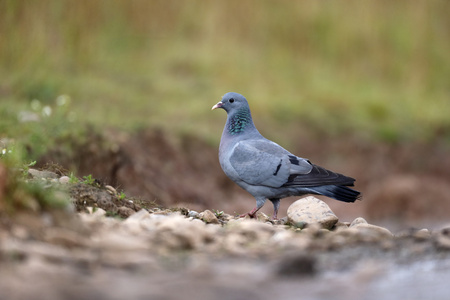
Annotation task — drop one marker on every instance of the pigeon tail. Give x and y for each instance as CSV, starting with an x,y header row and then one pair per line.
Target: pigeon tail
x,y
338,192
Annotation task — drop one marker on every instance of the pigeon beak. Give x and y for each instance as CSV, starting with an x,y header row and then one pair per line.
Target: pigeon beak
x,y
218,105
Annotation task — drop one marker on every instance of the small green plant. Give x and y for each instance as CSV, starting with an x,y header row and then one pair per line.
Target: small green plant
x,y
26,167
73,178
89,180
218,213
121,196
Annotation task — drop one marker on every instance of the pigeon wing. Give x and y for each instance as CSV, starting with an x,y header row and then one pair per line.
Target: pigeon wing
x,y
317,177
263,162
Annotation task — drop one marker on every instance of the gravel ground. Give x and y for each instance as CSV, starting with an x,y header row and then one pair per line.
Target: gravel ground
x,y
109,247
166,255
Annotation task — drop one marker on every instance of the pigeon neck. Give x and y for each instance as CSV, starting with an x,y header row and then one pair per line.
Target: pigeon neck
x,y
239,122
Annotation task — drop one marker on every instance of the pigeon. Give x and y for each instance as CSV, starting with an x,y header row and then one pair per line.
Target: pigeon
x,y
265,169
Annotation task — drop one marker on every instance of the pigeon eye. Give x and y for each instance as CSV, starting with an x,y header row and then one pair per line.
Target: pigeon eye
x,y
231,100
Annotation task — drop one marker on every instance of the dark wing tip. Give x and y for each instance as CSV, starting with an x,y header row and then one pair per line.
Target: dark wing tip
x,y
317,177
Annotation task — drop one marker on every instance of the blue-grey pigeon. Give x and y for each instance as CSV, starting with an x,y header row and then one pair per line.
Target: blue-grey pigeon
x,y
265,169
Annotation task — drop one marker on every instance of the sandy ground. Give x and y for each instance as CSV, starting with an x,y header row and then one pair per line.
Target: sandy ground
x,y
161,257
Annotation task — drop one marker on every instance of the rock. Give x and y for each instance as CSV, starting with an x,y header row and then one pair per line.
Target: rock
x,y
42,174
111,190
442,242
125,212
373,232
311,210
442,238
209,217
422,234
139,216
445,230
226,217
300,225
340,225
64,179
358,221
193,214
283,221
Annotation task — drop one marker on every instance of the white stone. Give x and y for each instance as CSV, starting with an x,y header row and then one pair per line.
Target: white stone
x,y
193,214
64,179
357,221
422,234
310,210
374,231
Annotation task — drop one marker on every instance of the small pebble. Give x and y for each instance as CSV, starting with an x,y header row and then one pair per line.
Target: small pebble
x,y
442,242
111,190
208,217
64,179
422,234
358,221
193,214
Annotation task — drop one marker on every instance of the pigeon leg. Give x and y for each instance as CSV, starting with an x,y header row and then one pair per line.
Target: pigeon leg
x,y
259,203
276,205
251,214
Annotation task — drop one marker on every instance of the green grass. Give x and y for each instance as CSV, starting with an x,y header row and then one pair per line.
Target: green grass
x,y
377,68
19,193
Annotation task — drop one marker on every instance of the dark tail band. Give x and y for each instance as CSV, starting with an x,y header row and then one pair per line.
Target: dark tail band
x,y
338,192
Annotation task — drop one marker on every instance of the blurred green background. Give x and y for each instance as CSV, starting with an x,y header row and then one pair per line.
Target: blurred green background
x,y
379,69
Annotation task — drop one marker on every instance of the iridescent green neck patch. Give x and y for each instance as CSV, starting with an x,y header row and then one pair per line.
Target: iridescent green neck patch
x,y
238,122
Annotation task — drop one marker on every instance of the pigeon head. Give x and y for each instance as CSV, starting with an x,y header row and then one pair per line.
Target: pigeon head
x,y
239,117
232,102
